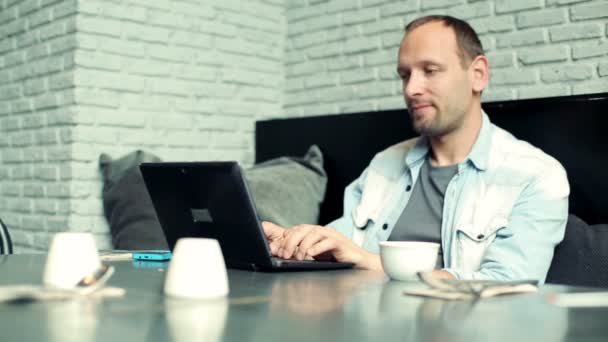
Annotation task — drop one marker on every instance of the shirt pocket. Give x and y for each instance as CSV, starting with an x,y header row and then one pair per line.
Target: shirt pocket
x,y
473,241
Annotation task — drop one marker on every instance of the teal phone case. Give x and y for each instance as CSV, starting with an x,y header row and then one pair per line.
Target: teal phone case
x,y
152,256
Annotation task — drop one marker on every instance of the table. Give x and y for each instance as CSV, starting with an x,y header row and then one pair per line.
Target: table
x,y
346,305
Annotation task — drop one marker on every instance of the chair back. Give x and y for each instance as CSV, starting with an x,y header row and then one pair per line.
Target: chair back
x,y
6,244
582,257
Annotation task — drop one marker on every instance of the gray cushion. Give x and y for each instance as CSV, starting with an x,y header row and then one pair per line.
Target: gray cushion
x,y
286,190
114,170
127,205
289,190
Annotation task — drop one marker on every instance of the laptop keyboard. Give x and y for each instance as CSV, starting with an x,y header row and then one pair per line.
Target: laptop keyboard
x,y
279,263
276,260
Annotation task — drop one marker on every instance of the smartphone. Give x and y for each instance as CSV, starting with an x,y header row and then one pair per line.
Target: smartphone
x,y
149,264
159,255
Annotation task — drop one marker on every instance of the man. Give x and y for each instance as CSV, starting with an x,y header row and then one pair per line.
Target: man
x,y
497,205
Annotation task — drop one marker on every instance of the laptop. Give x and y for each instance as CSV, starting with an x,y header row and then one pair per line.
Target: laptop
x,y
211,200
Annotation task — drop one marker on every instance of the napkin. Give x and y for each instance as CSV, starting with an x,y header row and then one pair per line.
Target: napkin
x,y
453,289
116,255
36,293
579,299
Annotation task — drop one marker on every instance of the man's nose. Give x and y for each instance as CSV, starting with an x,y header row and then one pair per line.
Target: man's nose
x,y
412,86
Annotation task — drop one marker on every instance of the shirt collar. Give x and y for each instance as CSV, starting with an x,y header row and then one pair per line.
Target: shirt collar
x,y
418,152
479,155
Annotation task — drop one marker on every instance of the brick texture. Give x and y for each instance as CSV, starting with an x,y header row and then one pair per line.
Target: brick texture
x,y
184,80
37,46
147,77
536,48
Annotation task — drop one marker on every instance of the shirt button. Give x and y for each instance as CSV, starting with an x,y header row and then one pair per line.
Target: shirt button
x,y
385,226
408,188
480,236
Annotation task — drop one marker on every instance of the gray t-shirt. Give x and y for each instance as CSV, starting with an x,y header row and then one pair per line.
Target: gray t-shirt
x,y
421,218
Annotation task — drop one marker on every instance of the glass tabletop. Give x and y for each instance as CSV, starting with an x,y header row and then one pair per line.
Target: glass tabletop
x,y
341,305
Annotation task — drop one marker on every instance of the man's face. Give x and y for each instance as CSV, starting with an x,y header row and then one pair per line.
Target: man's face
x,y
437,88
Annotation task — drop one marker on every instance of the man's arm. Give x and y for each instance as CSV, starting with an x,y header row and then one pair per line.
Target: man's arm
x,y
325,243
311,241
524,249
352,197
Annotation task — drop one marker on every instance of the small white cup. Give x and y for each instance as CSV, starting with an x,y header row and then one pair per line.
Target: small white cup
x,y
71,257
197,270
401,260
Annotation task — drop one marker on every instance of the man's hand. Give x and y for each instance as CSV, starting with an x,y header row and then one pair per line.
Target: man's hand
x,y
275,235
442,274
322,243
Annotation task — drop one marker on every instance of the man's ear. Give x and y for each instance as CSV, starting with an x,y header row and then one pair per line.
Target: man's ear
x,y
480,68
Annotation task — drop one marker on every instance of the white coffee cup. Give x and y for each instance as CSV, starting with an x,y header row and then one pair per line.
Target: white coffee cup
x,y
71,257
197,270
401,260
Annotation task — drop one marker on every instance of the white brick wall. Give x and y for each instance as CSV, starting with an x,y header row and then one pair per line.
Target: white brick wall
x,y
37,42
184,79
344,61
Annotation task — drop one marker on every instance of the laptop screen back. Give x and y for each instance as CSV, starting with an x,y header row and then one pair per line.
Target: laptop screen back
x,y
208,200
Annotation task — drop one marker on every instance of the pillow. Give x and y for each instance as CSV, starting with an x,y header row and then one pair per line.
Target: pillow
x,y
127,205
289,190
582,257
286,190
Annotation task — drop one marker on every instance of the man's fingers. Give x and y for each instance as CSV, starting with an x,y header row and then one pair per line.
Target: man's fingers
x,y
292,240
274,247
274,234
272,231
312,238
323,246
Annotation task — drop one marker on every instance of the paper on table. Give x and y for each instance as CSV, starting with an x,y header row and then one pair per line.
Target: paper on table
x,y
28,293
469,289
115,255
579,299
457,295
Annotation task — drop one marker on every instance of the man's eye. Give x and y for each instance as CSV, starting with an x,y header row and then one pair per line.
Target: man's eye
x,y
430,71
403,76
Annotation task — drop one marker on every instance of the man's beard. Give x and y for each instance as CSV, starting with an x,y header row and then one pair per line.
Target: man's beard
x,y
430,126
437,127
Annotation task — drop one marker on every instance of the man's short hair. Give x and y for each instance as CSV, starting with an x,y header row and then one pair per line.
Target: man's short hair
x,y
468,42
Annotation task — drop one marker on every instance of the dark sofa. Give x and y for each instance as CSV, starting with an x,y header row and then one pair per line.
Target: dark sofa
x,y
570,128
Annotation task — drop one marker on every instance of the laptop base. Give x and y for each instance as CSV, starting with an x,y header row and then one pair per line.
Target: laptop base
x,y
282,265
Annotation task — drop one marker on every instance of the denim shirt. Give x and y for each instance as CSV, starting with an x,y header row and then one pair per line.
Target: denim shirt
x,y
504,211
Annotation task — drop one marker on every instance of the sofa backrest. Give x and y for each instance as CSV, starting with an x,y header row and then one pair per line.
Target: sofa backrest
x,y
571,128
